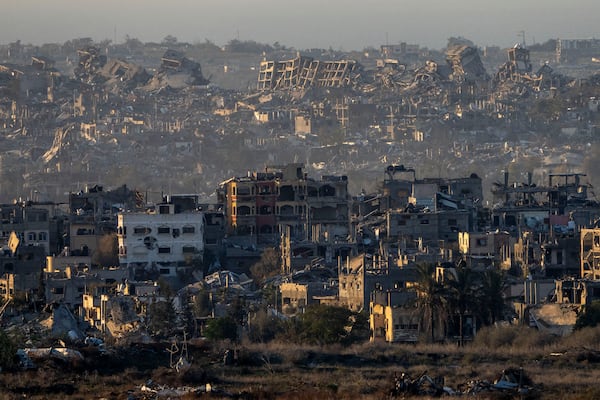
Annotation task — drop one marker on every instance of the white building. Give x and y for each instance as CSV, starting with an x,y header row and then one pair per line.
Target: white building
x,y
163,240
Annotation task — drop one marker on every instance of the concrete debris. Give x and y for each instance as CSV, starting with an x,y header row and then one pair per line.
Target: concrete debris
x,y
465,63
228,279
162,391
90,63
557,319
423,385
511,381
58,353
122,310
176,72
123,76
62,324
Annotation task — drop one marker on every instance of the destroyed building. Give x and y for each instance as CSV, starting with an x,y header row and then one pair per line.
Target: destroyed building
x,y
364,274
89,64
262,202
122,75
410,209
163,240
393,317
176,72
93,215
482,250
20,269
304,72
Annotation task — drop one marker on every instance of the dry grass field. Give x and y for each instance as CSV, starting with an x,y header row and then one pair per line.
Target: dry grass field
x,y
559,368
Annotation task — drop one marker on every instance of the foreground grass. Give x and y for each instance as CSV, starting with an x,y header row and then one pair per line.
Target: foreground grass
x,y
565,368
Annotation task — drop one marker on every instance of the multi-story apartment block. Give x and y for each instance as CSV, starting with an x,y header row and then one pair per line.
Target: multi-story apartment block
x,y
35,224
20,268
93,214
261,203
165,240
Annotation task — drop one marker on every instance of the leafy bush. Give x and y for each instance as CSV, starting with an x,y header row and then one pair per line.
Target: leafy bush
x,y
322,324
221,328
517,337
590,316
8,350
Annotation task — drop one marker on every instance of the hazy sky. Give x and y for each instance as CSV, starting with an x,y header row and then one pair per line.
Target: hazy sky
x,y
339,24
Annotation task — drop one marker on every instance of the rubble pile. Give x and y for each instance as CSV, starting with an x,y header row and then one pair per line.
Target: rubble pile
x,y
510,382
176,72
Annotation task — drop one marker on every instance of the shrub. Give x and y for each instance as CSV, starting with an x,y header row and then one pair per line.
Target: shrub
x,y
515,337
221,328
590,316
8,350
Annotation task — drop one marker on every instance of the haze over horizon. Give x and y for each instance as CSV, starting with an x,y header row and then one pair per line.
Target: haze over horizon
x,y
345,25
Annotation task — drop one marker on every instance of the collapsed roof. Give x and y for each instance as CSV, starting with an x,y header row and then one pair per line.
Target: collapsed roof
x,y
177,72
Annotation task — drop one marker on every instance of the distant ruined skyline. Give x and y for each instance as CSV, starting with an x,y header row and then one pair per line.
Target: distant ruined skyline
x,y
345,25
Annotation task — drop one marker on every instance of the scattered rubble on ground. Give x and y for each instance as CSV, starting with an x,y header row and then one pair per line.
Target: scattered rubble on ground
x,y
511,381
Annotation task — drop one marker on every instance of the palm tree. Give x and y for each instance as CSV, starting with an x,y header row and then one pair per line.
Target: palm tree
x,y
462,289
492,303
431,296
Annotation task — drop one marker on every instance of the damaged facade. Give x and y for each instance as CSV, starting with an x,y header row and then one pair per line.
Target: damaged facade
x,y
164,240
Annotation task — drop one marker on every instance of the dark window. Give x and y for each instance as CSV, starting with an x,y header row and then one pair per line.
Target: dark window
x,y
164,271
164,250
141,230
188,229
163,210
189,249
164,229
244,210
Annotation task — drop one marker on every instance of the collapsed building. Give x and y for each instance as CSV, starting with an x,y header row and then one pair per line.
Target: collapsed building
x,y
304,72
176,72
516,75
91,61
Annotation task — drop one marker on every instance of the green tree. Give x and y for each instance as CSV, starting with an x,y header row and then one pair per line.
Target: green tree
x,y
263,327
221,328
322,324
491,296
202,304
461,290
269,265
431,296
590,316
8,349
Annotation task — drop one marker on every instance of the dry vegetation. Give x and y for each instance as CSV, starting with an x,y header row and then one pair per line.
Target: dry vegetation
x,y
565,368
